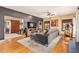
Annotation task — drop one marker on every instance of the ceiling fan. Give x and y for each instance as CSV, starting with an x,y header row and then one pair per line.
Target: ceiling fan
x,y
48,13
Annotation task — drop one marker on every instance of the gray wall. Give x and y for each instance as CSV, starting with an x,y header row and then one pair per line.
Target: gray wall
x,y
13,13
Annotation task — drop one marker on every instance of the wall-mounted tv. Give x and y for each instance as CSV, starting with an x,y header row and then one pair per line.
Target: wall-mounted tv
x,y
31,24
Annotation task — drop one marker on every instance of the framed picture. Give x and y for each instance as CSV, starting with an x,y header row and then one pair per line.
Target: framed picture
x,y
54,23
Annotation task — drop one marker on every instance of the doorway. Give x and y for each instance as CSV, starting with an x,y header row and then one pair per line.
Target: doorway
x,y
67,27
15,26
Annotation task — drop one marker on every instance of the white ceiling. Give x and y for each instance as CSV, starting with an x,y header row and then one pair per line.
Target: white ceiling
x,y
40,11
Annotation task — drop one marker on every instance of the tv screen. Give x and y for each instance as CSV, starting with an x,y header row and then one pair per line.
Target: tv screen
x,y
31,25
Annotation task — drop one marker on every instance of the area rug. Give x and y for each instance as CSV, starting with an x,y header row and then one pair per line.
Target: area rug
x,y
39,48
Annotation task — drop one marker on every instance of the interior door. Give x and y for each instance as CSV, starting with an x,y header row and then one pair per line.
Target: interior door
x,y
15,24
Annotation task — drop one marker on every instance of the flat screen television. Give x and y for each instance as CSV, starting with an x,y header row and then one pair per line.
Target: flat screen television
x,y
31,24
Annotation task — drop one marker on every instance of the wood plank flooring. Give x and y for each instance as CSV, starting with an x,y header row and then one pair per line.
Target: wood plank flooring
x,y
62,45
12,46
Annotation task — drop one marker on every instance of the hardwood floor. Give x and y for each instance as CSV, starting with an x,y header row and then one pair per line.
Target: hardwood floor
x,y
12,46
62,45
